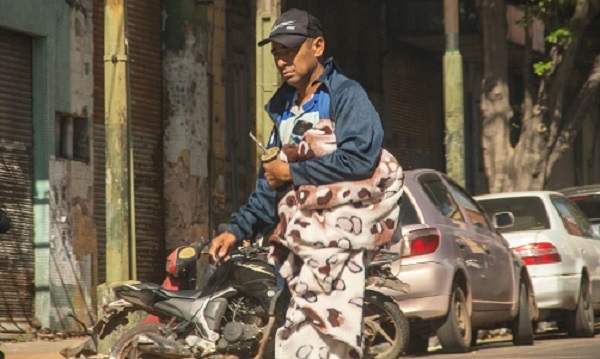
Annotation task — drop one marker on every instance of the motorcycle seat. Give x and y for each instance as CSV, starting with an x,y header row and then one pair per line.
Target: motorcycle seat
x,y
186,294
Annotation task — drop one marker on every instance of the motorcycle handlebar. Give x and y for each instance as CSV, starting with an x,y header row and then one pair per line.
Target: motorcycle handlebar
x,y
249,251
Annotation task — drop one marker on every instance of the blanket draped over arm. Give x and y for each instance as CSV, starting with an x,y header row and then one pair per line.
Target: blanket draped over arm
x,y
323,235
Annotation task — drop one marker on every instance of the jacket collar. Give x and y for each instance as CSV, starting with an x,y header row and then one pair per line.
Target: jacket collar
x,y
278,102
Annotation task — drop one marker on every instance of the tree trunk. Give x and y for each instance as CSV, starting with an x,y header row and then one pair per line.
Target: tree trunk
x,y
542,140
495,107
529,138
587,97
546,131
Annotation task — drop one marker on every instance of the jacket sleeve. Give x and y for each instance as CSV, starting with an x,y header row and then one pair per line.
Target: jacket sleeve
x,y
256,217
359,137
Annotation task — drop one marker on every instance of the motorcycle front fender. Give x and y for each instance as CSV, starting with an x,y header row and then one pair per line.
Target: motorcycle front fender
x,y
112,315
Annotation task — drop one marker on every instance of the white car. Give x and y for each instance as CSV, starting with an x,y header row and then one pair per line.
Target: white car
x,y
556,242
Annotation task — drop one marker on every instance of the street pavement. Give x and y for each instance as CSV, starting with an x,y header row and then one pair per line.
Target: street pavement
x,y
551,345
547,346
37,349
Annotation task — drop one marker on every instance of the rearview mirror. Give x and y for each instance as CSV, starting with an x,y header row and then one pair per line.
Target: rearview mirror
x,y
504,220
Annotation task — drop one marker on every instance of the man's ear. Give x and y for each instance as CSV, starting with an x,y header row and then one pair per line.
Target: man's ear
x,y
318,46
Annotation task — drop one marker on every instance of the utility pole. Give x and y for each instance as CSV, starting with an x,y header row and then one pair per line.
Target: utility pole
x,y
453,96
120,242
119,263
267,78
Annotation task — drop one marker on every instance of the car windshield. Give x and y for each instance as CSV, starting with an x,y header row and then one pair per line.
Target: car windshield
x,y
529,212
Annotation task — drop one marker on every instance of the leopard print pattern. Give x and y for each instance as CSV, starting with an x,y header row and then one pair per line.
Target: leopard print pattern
x,y
323,236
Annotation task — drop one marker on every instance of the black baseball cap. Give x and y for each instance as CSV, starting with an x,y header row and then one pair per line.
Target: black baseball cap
x,y
293,27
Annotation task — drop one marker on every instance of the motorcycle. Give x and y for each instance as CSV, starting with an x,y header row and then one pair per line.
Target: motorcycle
x,y
236,310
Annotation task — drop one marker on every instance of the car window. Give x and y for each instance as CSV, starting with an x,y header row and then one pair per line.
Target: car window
x,y
575,222
590,205
529,212
408,214
476,216
439,195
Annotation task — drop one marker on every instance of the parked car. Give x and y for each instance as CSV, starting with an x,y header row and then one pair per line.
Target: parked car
x,y
462,274
588,199
556,242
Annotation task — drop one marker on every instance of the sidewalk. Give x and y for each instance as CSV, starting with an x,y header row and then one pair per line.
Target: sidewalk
x,y
37,349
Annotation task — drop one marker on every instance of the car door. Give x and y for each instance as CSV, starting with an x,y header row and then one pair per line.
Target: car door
x,y
582,236
498,279
470,247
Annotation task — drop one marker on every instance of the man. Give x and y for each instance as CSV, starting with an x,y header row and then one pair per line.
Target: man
x,y
341,199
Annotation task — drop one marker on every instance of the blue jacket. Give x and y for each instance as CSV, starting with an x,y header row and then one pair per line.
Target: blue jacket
x,y
359,137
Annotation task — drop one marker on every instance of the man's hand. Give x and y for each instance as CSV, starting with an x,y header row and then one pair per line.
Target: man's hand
x,y
221,246
277,173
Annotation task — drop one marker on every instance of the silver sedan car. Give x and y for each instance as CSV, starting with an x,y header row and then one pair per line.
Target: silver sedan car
x,y
462,274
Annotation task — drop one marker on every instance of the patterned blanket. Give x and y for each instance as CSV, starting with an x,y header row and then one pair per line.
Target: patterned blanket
x,y
321,243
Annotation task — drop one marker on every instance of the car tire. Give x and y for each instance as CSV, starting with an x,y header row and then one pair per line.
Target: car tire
x,y
580,322
455,334
522,327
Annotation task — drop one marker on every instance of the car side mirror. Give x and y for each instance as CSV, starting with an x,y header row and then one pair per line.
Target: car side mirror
x,y
504,220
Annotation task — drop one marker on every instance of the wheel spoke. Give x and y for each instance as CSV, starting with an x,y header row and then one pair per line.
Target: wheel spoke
x,y
373,318
383,333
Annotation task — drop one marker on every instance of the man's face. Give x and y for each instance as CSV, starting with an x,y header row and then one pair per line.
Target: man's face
x,y
297,65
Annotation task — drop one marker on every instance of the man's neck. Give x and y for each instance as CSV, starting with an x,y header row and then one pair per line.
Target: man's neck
x,y
305,92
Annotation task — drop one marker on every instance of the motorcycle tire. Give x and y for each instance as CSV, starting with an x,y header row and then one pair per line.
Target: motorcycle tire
x,y
386,330
280,310
123,348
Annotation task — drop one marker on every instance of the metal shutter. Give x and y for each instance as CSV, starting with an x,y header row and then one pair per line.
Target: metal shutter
x,y
416,108
241,151
16,181
143,28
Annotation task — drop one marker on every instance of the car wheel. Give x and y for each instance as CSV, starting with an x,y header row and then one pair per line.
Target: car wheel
x,y
522,328
455,333
580,322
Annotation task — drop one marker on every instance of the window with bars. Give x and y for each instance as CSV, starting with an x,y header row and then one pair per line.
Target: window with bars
x,y
72,140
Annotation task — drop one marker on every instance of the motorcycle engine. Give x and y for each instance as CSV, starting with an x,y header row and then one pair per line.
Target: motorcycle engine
x,y
239,338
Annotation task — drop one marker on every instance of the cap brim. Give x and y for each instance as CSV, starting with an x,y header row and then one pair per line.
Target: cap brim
x,y
286,40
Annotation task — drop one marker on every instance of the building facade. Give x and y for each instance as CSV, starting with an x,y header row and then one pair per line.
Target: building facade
x,y
197,84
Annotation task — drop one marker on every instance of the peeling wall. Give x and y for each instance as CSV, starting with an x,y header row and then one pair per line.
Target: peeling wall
x,y
186,140
73,245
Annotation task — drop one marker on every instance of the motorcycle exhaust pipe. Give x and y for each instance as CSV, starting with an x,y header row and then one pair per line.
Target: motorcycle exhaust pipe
x,y
156,345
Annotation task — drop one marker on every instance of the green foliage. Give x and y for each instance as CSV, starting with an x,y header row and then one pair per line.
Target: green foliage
x,y
549,8
541,68
559,36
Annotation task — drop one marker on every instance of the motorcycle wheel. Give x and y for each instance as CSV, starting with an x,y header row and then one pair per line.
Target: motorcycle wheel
x,y
385,330
123,349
